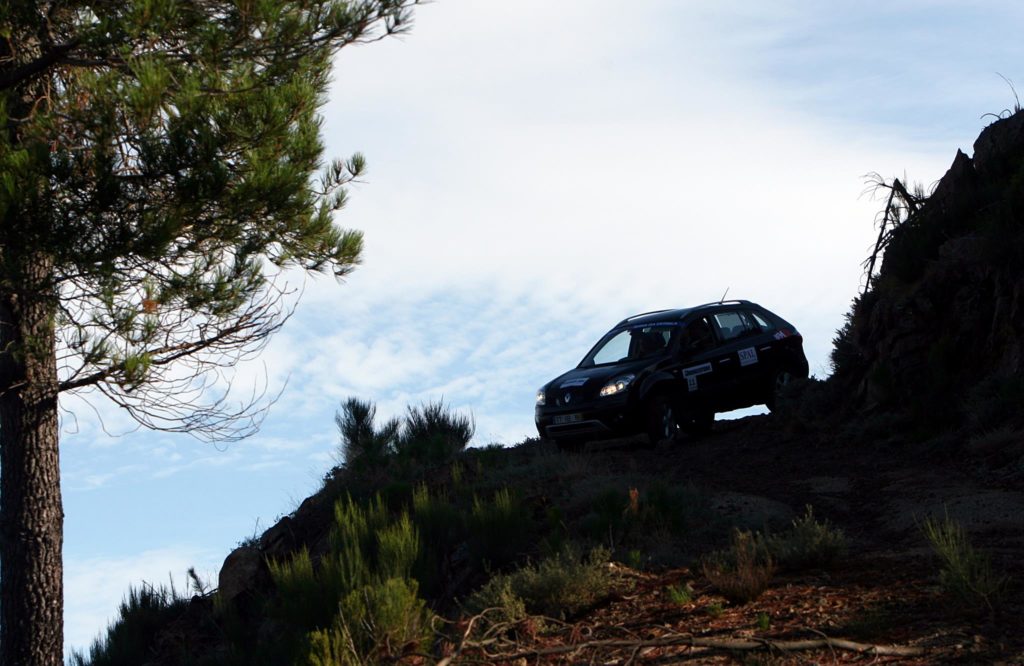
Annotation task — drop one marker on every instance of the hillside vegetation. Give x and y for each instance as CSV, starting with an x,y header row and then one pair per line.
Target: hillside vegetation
x,y
875,517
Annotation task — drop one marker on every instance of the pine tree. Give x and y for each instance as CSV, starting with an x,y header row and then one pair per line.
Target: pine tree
x,y
160,160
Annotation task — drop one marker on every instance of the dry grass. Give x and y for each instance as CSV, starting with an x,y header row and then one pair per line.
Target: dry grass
x,y
742,572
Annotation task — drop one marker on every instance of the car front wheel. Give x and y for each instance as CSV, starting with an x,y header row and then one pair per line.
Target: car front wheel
x,y
661,420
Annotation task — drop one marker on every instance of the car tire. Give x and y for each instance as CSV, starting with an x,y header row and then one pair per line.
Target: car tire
x,y
780,380
661,421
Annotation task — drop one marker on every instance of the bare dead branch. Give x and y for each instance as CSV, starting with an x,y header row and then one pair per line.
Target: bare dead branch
x,y
686,640
896,212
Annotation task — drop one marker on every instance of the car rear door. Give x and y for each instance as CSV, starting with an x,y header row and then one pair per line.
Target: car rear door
x,y
767,345
739,357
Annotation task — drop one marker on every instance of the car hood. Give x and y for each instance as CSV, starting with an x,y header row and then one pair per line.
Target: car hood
x,y
586,383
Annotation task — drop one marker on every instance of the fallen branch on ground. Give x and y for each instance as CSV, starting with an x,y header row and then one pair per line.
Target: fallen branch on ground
x,y
685,640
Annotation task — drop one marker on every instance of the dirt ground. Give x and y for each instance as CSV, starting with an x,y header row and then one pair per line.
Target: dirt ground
x,y
885,593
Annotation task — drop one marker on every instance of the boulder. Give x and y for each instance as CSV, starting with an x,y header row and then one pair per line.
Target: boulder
x,y
244,570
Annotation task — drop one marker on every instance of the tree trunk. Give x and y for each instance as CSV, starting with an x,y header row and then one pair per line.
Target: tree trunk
x,y
31,514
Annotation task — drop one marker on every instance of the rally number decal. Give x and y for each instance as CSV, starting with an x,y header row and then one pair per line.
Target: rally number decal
x,y
692,373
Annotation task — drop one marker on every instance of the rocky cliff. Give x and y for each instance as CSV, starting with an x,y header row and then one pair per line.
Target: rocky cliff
x,y
938,333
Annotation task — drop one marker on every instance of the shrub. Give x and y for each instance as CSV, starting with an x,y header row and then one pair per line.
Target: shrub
x,y
440,527
498,528
433,433
131,638
742,572
375,624
649,517
672,510
305,599
808,543
500,602
361,604
966,573
607,516
353,542
558,586
362,443
680,594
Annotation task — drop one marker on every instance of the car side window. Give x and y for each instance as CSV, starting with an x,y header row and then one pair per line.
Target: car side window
x,y
734,325
765,325
697,336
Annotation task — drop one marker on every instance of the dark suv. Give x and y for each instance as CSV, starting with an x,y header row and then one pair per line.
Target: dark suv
x,y
663,371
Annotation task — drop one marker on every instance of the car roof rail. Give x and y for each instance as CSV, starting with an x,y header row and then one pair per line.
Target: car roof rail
x,y
642,314
734,301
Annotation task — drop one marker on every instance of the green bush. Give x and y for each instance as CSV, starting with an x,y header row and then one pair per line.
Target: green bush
x,y
607,516
429,434
498,528
363,444
635,517
672,510
131,638
966,574
375,624
441,528
806,544
680,594
558,586
433,433
360,604
742,572
305,598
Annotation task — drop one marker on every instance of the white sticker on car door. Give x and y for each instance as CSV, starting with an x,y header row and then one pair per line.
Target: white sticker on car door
x,y
692,373
748,356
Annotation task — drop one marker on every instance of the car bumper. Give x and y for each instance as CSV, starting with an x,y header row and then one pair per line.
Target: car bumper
x,y
594,420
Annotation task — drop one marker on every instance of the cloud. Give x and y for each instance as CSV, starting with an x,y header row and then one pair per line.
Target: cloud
x,y
537,171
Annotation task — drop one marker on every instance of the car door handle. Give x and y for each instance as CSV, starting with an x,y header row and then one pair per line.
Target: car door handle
x,y
765,348
724,360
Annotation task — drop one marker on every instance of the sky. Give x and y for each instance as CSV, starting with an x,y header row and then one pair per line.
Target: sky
x,y
536,172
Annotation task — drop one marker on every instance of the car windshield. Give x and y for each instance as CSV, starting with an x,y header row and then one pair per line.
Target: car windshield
x,y
630,344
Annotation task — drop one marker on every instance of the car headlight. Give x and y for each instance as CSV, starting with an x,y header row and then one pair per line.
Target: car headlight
x,y
617,385
541,398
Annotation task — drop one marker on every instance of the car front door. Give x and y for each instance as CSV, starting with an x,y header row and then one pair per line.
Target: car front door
x,y
698,375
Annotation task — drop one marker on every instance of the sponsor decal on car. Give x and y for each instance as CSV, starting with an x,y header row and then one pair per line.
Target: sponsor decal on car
x,y
693,372
748,356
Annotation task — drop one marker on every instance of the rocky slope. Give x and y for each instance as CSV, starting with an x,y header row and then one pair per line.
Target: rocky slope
x,y
921,420
938,334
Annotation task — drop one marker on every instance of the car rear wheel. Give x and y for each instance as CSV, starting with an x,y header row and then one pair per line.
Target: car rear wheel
x,y
661,420
780,381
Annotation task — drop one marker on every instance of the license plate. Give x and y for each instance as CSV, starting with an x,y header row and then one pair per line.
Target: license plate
x,y
568,418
